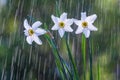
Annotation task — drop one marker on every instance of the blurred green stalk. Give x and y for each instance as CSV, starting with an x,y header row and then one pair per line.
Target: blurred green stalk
x,y
83,46
72,60
60,63
98,66
56,56
90,58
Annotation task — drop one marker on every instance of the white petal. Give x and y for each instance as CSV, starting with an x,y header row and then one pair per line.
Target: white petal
x,y
74,19
86,32
61,32
83,15
68,29
92,28
77,22
79,30
36,39
69,21
91,18
40,31
55,19
63,16
36,25
26,25
26,33
29,40
55,27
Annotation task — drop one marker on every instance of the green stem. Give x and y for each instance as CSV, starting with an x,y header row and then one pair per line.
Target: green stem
x,y
76,75
56,55
98,65
98,69
90,58
62,67
84,55
58,10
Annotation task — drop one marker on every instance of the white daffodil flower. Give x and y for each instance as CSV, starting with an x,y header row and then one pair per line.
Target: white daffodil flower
x,y
32,32
62,24
85,25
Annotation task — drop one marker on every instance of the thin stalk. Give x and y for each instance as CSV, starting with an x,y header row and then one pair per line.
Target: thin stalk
x,y
62,62
90,59
76,75
57,10
98,69
59,61
84,55
67,68
98,66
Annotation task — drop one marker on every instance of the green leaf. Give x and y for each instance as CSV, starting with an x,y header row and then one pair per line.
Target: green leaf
x,y
75,71
83,46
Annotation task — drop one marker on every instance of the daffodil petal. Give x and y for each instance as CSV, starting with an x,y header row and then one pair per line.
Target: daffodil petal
x,y
55,19
26,33
79,30
63,16
77,22
29,40
40,31
83,15
68,29
55,27
92,28
91,18
26,25
36,25
86,32
61,32
69,22
36,39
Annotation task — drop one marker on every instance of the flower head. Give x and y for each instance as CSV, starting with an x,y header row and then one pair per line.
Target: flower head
x,y
85,25
32,32
62,24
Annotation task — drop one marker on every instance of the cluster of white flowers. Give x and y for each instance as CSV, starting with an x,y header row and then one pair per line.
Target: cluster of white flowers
x,y
61,24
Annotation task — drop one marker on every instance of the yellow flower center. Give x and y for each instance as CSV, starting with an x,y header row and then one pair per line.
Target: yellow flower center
x,y
84,24
61,24
30,32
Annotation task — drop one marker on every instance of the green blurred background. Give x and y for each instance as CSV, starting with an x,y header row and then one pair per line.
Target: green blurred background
x,y
20,61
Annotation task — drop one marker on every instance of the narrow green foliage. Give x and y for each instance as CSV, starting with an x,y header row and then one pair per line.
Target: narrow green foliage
x,y
57,10
55,53
75,75
98,66
83,46
98,69
90,58
67,70
60,63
